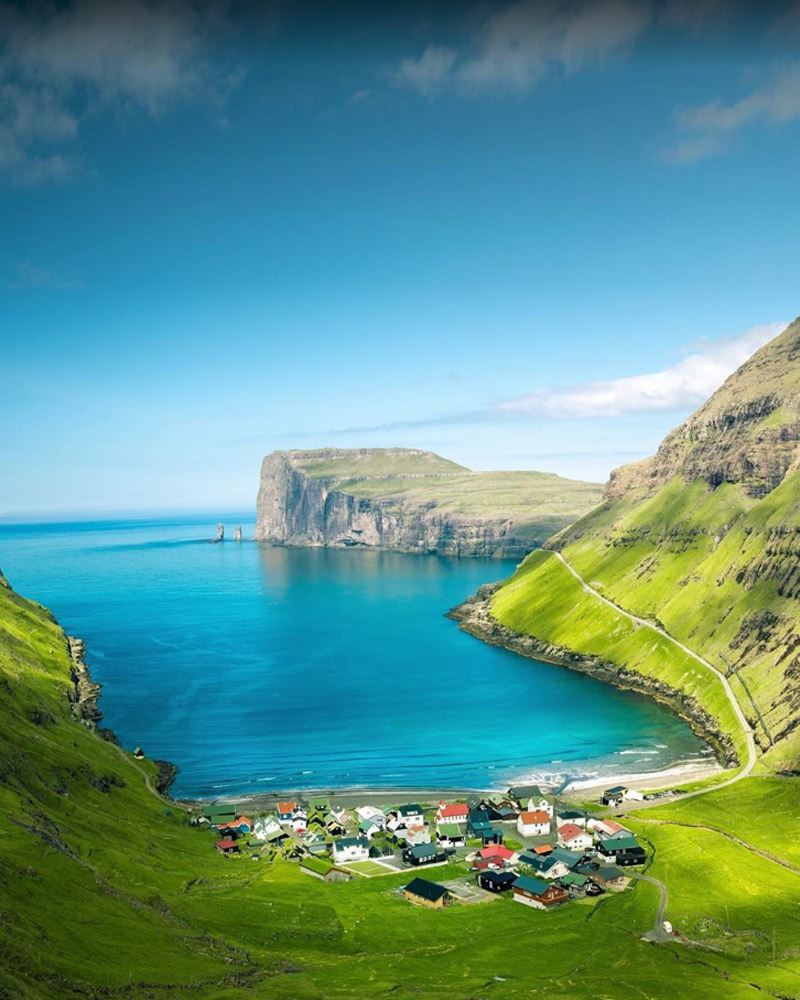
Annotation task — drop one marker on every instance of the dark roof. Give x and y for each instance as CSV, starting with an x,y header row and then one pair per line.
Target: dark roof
x,y
616,790
610,873
534,885
569,814
540,863
410,810
421,887
569,858
351,842
498,878
423,850
526,792
619,845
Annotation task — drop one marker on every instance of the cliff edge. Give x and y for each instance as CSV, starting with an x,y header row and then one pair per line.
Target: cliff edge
x,y
411,501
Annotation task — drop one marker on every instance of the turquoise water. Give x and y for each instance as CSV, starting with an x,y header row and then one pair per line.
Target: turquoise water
x,y
256,669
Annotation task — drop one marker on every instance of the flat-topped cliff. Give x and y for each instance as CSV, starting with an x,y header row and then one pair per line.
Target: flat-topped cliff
x,y
411,501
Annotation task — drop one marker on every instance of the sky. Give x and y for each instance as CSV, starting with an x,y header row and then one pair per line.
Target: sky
x,y
522,235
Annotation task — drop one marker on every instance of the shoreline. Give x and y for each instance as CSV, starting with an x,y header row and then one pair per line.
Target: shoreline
x,y
474,617
575,789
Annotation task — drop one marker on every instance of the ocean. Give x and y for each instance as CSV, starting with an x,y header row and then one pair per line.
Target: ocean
x,y
255,669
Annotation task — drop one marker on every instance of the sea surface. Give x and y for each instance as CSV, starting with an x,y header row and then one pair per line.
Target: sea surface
x,y
256,668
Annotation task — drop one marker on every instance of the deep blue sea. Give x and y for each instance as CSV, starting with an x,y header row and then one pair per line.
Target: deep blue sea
x,y
257,668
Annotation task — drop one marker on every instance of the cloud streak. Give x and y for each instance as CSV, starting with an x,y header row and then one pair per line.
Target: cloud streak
x,y
516,47
682,386
707,128
62,64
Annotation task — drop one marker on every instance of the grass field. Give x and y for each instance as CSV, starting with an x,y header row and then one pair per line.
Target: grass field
x,y
368,869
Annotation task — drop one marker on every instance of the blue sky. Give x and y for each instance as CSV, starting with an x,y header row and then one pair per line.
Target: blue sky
x,y
525,235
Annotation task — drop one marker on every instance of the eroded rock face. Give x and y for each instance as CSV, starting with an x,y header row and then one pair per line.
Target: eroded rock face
x,y
300,510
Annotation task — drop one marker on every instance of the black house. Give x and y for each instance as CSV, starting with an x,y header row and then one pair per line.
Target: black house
x,y
496,881
423,854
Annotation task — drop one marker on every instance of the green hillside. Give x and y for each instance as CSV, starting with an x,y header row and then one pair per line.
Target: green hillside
x,y
703,538
539,503
107,891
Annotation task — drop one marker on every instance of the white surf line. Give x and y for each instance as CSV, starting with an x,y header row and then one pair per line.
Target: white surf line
x,y
644,623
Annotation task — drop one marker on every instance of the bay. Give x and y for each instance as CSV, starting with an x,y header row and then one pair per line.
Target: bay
x,y
256,668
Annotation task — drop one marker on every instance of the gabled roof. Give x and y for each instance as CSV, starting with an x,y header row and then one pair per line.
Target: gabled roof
x,y
240,820
425,889
543,849
225,845
453,809
287,807
423,850
570,814
350,842
496,851
534,885
610,873
616,790
566,857
536,816
540,864
412,809
620,844
609,825
573,878
569,830
526,792
499,878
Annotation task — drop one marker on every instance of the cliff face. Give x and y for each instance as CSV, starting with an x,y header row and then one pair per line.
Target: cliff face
x,y
403,500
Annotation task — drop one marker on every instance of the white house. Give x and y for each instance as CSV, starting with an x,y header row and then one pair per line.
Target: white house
x,y
540,804
608,829
571,816
372,812
450,835
265,826
350,849
405,816
535,823
299,820
414,835
574,838
454,812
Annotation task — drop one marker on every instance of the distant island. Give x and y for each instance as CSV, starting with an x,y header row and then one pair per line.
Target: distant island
x,y
408,500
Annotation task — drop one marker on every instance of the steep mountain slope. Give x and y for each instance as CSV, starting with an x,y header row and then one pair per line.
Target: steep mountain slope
x,y
704,537
411,501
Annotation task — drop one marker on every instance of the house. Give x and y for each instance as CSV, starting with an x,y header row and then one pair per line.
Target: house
x,y
243,824
610,878
368,828
335,828
423,854
405,816
453,812
425,893
492,836
450,835
541,895
544,866
521,793
574,883
498,852
488,864
478,822
608,829
219,815
614,796
275,838
350,849
324,870
496,881
533,823
571,816
416,835
299,819
227,846
569,858
373,813
573,838
622,851
543,849
320,805
264,826
286,811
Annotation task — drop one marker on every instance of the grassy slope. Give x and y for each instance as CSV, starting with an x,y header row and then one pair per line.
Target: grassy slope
x,y
541,502
108,889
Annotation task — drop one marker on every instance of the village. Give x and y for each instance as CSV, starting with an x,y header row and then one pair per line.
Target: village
x,y
525,842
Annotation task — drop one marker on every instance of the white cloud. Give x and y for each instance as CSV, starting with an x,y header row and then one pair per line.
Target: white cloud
x,y
681,386
518,45
61,63
706,128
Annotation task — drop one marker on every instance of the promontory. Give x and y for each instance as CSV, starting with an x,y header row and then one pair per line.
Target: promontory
x,y
411,501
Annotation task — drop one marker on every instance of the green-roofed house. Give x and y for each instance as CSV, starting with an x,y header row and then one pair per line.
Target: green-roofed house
x,y
324,870
322,805
450,835
623,851
574,883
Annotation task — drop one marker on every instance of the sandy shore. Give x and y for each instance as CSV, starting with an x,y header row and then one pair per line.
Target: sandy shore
x,y
577,789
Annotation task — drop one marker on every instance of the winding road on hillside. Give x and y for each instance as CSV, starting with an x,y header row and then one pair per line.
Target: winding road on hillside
x,y
752,755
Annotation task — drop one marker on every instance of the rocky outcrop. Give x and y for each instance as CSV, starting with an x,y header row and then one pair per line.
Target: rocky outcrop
x,y
475,616
298,509
85,692
747,433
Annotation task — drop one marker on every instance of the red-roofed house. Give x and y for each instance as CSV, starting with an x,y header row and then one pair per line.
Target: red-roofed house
x,y
608,829
242,824
533,824
456,812
497,851
227,846
286,811
574,838
543,849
